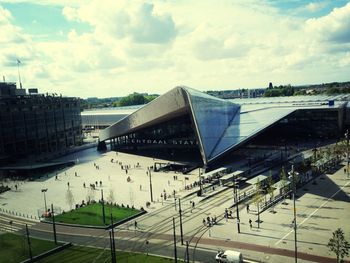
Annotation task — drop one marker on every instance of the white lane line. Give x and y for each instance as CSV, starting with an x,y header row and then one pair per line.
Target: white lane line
x,y
16,221
325,202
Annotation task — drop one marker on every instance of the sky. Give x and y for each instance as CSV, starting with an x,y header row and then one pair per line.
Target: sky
x,y
110,48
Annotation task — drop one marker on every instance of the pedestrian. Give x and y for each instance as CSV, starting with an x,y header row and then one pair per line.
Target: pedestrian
x,y
193,204
84,185
344,170
248,208
135,224
68,184
250,223
56,178
204,222
140,187
100,183
75,174
16,187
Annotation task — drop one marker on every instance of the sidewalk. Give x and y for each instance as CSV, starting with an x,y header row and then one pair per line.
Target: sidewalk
x,y
320,209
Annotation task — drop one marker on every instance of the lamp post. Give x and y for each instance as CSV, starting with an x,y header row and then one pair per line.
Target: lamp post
x,y
235,185
44,190
150,183
295,217
347,152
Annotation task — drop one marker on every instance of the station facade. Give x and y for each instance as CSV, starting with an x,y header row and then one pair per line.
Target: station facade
x,y
204,129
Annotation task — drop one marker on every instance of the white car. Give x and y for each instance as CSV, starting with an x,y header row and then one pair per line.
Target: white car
x,y
229,256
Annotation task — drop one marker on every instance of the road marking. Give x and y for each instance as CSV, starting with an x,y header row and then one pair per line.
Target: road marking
x,y
325,202
17,220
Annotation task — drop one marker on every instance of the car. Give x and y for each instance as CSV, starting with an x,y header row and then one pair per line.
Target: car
x,y
229,256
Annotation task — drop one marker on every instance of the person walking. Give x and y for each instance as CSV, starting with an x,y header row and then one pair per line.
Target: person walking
x,y
248,208
135,224
250,223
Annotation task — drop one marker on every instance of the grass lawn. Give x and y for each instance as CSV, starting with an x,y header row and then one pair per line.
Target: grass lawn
x,y
14,248
92,215
76,254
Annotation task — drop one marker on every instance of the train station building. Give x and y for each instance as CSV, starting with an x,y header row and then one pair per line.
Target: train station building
x,y
190,125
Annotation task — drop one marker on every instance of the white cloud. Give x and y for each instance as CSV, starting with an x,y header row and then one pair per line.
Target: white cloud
x,y
333,27
137,46
315,6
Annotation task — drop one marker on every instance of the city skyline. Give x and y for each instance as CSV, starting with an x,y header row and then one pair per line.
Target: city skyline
x,y
113,48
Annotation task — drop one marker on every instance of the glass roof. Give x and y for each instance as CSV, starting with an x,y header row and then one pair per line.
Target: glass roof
x,y
212,117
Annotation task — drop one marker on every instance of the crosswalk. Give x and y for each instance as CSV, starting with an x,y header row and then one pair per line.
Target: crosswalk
x,y
13,224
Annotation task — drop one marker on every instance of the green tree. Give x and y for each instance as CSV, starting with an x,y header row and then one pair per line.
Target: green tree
x,y
134,99
258,198
284,182
339,245
70,198
270,188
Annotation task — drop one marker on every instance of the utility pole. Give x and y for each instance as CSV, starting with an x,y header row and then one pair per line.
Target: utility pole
x,y
111,245
44,191
237,210
103,208
200,181
181,231
114,257
347,152
53,224
19,75
150,184
29,245
175,252
187,253
295,217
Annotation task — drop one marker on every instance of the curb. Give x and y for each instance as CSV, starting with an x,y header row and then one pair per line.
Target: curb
x,y
47,253
97,227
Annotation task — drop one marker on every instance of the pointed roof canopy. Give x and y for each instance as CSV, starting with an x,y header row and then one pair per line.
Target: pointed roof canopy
x,y
220,125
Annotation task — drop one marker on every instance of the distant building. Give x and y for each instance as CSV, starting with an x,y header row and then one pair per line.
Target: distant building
x,y
36,126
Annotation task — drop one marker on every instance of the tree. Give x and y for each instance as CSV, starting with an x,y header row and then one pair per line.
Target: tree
x,y
258,198
283,182
338,244
70,198
90,195
110,197
270,189
131,196
134,99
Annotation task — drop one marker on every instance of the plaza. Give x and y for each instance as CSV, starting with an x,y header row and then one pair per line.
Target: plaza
x,y
28,199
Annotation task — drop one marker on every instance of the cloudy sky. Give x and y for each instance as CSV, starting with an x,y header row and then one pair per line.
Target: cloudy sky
x,y
107,48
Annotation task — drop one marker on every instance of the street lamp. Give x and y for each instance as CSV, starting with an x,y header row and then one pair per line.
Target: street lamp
x,y
150,183
235,189
347,152
295,216
44,190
